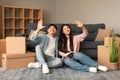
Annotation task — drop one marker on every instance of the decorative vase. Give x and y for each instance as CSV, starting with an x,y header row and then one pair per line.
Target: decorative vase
x,y
113,66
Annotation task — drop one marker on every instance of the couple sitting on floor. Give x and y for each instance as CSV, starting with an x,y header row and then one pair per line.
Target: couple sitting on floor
x,y
51,52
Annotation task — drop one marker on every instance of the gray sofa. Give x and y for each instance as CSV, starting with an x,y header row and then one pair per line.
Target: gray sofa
x,y
88,46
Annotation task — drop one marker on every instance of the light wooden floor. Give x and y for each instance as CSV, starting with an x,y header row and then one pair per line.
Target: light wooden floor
x,y
56,74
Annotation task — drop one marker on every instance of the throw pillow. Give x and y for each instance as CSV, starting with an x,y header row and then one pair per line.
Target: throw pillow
x,y
102,33
40,32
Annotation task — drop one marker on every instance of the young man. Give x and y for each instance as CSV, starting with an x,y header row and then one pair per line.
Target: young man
x,y
46,50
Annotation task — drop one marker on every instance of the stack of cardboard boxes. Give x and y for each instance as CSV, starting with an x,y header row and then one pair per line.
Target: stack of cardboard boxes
x,y
15,55
104,53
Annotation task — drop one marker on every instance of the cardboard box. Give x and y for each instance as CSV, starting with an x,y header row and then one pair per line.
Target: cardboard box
x,y
15,45
103,56
107,40
13,61
2,49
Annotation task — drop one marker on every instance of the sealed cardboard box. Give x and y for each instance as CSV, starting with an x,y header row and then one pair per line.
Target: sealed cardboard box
x,y
15,45
2,49
103,55
13,61
107,40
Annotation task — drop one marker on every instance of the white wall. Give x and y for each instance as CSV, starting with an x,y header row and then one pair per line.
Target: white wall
x,y
89,11
48,6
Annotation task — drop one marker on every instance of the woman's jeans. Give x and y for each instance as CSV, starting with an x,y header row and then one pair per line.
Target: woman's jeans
x,y
80,61
52,62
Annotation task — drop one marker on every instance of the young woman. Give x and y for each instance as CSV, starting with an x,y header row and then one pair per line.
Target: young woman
x,y
69,43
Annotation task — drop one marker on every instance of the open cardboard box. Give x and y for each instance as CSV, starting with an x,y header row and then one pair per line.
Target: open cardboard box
x,y
107,40
104,54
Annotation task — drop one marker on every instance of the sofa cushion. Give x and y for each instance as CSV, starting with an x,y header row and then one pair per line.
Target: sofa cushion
x,y
102,33
91,44
92,53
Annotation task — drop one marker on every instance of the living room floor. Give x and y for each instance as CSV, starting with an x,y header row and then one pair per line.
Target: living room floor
x,y
63,73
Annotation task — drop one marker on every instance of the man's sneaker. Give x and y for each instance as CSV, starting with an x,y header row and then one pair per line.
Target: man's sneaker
x,y
34,65
102,68
93,69
45,68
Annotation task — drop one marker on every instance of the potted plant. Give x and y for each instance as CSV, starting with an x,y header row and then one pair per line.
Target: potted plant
x,y
114,50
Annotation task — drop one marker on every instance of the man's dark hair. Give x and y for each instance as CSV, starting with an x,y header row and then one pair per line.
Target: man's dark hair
x,y
52,25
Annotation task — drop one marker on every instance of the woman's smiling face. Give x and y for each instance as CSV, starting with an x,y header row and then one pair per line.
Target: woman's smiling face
x,y
66,30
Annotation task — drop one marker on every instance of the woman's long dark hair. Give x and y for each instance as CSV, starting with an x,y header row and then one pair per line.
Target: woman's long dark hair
x,y
62,42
